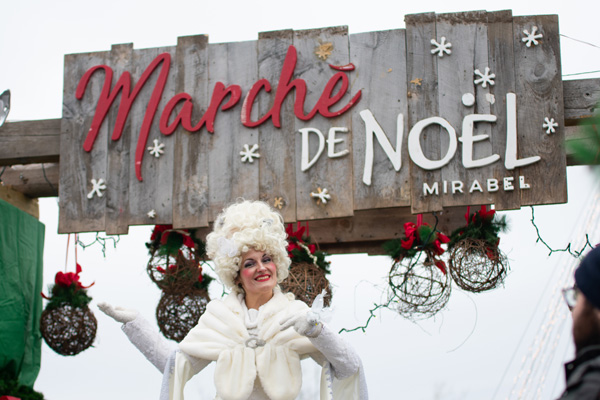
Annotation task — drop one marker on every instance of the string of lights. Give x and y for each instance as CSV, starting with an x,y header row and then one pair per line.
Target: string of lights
x,y
101,240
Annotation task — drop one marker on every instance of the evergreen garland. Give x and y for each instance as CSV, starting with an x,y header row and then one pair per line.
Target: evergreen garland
x,y
9,384
301,249
483,225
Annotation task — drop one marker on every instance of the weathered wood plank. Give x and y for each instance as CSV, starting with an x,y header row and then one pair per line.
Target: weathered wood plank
x,y
502,64
30,142
230,178
384,87
422,72
78,213
190,174
19,200
277,165
333,174
150,194
581,99
468,33
32,180
540,96
118,155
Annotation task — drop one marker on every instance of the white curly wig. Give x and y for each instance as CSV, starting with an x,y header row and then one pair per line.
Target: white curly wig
x,y
243,226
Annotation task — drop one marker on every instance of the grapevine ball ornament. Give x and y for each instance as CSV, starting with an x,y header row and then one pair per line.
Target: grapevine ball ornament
x,y
476,263
178,313
418,279
67,325
307,276
175,267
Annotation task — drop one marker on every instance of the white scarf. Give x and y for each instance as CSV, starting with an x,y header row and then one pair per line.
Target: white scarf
x,y
273,355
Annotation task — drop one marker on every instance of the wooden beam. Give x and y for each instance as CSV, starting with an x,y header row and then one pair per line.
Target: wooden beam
x,y
582,98
19,200
32,180
29,142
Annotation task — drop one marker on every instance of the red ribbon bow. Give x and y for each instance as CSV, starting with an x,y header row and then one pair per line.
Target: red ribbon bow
x,y
66,279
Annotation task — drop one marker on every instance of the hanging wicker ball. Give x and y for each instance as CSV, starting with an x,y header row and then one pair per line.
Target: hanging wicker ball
x,y
419,287
174,274
477,267
68,330
177,314
306,281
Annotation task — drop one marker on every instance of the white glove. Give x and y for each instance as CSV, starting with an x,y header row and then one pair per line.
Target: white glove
x,y
119,314
307,324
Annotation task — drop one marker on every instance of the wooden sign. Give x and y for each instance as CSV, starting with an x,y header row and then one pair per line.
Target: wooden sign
x,y
456,109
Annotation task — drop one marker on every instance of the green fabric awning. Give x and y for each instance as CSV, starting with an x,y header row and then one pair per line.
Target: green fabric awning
x,y
21,276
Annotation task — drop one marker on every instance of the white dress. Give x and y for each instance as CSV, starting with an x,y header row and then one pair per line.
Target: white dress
x,y
255,359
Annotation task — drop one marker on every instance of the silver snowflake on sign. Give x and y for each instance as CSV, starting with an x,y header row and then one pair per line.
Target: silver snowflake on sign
x,y
97,186
151,214
485,78
157,149
531,37
441,47
549,125
249,154
322,195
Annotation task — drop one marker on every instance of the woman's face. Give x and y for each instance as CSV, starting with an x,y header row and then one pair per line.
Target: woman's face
x,y
258,272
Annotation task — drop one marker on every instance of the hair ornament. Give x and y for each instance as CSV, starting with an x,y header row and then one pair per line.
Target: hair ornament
x,y
227,247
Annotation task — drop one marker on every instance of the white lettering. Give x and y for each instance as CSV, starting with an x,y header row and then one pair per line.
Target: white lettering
x,y
445,186
468,139
508,186
510,159
373,128
475,186
522,184
332,140
414,143
492,185
457,186
305,163
430,190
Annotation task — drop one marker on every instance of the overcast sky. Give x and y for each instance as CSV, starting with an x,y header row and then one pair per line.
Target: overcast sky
x,y
508,343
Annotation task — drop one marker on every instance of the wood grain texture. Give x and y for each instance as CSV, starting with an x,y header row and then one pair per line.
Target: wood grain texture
x,y
118,154
154,192
78,168
423,102
19,200
333,174
190,172
540,96
277,145
229,178
502,63
32,180
380,59
28,142
468,34
581,99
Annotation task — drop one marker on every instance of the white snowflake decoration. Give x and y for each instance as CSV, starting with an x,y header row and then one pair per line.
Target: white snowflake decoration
x,y
485,78
151,214
249,154
441,47
531,37
157,149
549,125
97,186
322,195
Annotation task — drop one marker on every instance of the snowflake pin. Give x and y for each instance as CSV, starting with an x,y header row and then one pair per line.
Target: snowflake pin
x,y
323,51
549,125
531,37
278,202
484,78
322,195
97,186
157,149
441,47
249,154
151,214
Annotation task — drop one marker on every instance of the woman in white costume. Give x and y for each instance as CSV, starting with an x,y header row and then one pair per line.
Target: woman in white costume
x,y
256,334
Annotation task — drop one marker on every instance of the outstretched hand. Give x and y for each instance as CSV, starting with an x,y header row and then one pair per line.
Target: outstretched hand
x,y
306,324
119,314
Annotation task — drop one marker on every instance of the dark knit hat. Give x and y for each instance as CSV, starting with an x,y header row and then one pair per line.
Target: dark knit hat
x,y
587,277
